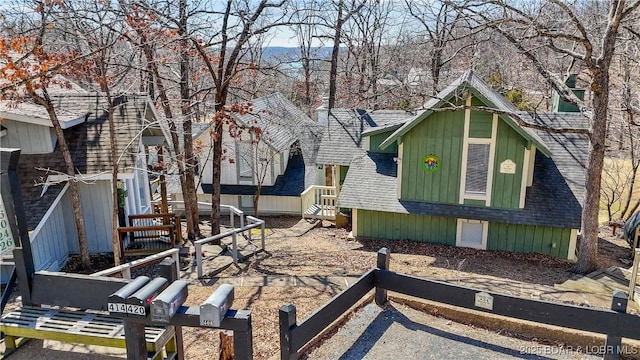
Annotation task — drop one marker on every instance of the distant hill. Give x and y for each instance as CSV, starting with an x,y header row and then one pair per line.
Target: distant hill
x,y
282,53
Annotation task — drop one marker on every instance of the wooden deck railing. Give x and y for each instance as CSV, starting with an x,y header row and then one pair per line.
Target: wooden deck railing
x,y
322,199
296,337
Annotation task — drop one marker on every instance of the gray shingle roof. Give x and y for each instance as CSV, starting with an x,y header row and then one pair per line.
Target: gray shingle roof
x,y
89,146
481,89
342,140
553,199
280,120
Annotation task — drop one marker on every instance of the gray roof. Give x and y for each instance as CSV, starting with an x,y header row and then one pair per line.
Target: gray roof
x,y
342,140
283,124
553,199
89,146
480,89
280,120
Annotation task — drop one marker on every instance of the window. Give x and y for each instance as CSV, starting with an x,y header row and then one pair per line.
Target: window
x,y
245,160
142,183
477,169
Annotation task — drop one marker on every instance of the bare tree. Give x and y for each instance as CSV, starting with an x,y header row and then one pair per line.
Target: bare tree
x,y
344,12
29,68
223,54
442,28
560,28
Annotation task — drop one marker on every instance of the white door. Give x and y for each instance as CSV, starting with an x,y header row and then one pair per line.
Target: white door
x,y
472,234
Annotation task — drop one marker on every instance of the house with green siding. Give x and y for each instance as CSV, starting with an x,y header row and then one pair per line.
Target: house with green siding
x,y
463,171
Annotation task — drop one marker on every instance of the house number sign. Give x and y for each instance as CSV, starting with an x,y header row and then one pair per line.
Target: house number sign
x,y
6,238
508,167
484,300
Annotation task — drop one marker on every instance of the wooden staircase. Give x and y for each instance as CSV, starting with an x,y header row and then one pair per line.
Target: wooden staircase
x,y
319,202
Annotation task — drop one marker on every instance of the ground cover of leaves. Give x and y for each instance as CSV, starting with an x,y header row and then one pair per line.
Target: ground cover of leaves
x,y
325,251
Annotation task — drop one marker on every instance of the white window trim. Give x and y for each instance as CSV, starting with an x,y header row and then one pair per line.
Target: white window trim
x,y
532,161
399,172
485,228
525,176
573,241
465,150
354,222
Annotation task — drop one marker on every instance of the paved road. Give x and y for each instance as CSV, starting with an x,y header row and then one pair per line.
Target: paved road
x,y
399,332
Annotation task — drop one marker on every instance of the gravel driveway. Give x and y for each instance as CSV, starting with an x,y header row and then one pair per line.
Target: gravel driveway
x,y
400,332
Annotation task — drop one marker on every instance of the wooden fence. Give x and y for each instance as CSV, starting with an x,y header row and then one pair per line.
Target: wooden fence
x,y
615,323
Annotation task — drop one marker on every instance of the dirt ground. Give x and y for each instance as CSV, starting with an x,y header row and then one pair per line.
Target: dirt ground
x,y
325,251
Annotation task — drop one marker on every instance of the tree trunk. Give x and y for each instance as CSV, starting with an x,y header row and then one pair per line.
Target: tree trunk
x,y
190,196
216,174
73,186
333,73
588,252
256,199
115,236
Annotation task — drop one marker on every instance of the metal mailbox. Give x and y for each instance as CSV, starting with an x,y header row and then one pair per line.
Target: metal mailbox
x,y
165,305
138,304
116,303
212,311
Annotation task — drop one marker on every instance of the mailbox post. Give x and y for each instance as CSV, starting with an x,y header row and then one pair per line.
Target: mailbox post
x,y
147,302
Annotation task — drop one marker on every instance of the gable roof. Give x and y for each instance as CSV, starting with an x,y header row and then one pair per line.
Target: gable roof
x,y
560,178
342,140
89,146
280,120
482,90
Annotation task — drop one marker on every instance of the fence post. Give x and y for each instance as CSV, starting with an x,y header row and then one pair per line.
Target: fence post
x,y
613,346
262,226
383,264
287,320
243,340
134,337
167,269
198,248
234,251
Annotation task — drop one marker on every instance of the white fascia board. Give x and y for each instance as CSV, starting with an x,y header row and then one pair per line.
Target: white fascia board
x,y
64,124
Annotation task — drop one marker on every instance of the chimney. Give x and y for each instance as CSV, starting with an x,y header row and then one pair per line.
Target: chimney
x,y
322,111
558,103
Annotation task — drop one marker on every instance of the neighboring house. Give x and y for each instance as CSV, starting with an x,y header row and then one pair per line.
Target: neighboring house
x,y
281,159
464,177
47,200
342,142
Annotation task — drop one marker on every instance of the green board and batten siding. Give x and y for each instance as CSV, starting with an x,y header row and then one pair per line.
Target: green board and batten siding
x,y
506,187
435,229
442,135
529,238
377,139
396,226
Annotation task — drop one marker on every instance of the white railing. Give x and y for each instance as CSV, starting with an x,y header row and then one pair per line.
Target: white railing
x,y
324,197
232,210
253,223
125,269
